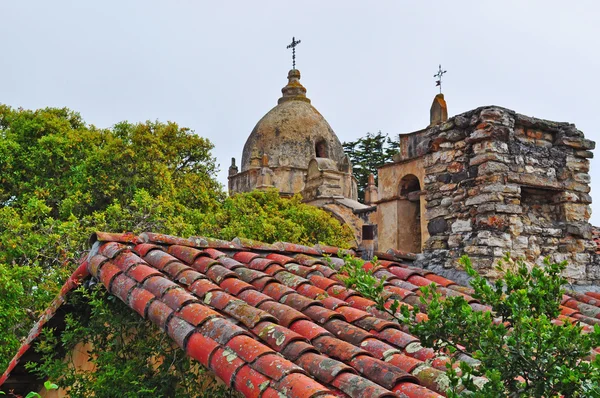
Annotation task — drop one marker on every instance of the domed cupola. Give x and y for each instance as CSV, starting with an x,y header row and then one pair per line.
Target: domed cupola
x,y
293,132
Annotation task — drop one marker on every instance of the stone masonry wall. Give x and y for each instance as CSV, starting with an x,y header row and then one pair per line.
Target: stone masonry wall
x,y
499,182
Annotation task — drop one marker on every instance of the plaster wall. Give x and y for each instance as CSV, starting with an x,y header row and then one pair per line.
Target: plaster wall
x,y
395,211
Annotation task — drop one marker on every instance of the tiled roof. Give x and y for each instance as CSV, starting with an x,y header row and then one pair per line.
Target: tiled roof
x,y
271,319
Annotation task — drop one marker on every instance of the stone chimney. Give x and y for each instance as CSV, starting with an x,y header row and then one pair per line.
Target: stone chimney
x,y
371,191
439,110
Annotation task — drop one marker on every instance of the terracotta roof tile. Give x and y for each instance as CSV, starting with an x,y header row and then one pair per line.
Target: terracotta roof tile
x,y
300,386
158,313
196,314
324,369
275,366
295,349
225,363
276,319
139,300
357,386
141,272
249,382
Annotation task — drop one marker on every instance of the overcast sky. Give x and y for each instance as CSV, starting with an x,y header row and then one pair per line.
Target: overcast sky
x,y
218,67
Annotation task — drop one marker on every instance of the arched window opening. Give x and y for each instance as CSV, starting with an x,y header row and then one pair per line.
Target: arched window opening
x,y
321,149
409,214
409,183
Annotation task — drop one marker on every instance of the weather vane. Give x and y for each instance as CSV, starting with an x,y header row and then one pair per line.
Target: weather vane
x,y
293,45
439,75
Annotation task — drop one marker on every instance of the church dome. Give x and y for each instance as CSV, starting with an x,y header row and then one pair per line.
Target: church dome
x,y
293,132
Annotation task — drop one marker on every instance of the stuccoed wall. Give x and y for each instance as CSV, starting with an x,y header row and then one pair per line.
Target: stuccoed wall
x,y
496,182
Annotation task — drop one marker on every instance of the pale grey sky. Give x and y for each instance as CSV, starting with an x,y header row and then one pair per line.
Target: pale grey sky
x,y
218,67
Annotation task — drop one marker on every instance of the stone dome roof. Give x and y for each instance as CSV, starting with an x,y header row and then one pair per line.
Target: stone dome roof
x,y
293,132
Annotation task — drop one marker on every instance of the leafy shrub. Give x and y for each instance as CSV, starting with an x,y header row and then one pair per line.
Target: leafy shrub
x,y
518,348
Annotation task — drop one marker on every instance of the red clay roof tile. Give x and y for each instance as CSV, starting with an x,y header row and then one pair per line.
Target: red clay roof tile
x,y
358,386
275,336
214,253
309,329
141,272
196,314
249,382
297,385
202,264
158,285
337,348
112,249
297,348
321,315
279,298
139,300
143,248
347,332
188,276
175,268
95,263
275,366
179,330
235,286
158,313
107,273
247,314
185,253
248,348
225,363
230,263
254,298
177,298
217,273
121,286
277,290
352,314
312,292
159,259
298,301
381,372
127,259
280,258
322,368
203,286
221,330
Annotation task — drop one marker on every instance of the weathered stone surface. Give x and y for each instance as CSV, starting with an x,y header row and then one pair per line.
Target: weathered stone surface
x,y
485,157
577,143
484,198
496,181
437,226
461,226
493,168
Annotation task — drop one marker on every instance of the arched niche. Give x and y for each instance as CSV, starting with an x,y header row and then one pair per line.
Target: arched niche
x,y
409,214
321,149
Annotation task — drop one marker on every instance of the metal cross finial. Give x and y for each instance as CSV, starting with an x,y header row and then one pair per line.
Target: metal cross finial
x,y
439,75
293,45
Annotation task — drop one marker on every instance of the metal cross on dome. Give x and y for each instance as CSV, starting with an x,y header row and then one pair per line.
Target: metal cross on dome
x,y
293,45
439,75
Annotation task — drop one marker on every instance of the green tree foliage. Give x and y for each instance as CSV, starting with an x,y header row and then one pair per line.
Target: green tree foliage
x,y
52,155
519,350
266,217
61,180
367,154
